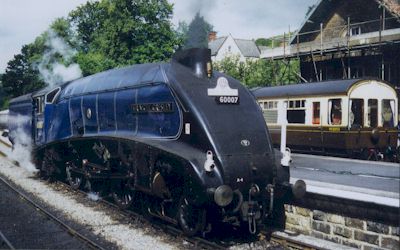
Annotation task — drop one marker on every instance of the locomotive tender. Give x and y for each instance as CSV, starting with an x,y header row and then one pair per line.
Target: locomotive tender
x,y
355,117
190,140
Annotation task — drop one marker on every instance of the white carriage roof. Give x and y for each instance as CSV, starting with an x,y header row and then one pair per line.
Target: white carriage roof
x,y
335,87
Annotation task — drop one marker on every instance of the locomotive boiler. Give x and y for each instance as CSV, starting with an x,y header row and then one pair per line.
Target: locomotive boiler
x,y
193,142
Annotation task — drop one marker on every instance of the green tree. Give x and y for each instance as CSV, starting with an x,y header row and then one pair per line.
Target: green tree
x,y
20,76
197,34
263,42
259,73
87,20
105,34
122,32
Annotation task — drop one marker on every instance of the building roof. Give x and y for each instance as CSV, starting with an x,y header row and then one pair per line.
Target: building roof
x,y
323,8
248,48
216,44
393,6
336,87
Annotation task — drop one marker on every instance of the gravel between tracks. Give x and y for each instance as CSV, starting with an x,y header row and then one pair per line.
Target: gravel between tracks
x,y
125,236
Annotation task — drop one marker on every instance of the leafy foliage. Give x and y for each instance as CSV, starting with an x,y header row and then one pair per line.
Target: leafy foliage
x,y
255,73
105,34
20,76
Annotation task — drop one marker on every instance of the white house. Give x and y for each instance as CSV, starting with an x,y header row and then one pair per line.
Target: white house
x,y
222,47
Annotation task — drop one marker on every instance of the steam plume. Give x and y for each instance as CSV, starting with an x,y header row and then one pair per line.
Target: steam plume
x,y
22,143
52,71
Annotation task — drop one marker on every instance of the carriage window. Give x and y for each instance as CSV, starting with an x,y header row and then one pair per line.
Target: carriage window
x,y
270,111
356,116
372,113
296,112
388,113
335,111
316,113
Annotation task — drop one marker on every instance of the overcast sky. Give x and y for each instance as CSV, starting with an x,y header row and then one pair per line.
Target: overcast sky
x,y
23,20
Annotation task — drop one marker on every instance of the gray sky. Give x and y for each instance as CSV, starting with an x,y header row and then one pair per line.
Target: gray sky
x,y
23,20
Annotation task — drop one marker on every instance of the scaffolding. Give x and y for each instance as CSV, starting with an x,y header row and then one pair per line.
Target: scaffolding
x,y
339,42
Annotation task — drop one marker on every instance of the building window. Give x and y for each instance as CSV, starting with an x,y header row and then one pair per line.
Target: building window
x,y
316,113
356,116
372,113
388,113
335,111
296,112
354,31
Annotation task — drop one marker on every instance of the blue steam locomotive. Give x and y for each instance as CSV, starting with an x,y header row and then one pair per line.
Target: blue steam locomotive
x,y
192,141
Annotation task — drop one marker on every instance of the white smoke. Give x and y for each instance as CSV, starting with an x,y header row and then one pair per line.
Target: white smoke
x,y
52,71
93,196
22,143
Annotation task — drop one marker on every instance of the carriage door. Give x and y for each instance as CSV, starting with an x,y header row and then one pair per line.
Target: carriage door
x,y
38,120
356,122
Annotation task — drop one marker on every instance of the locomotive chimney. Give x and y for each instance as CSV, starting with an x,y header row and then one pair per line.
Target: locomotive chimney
x,y
212,36
197,59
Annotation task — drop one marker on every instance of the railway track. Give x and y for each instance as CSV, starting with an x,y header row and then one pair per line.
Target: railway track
x,y
87,242
5,243
197,242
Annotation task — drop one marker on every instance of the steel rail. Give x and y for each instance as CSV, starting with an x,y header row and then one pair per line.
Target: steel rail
x,y
91,244
289,243
198,242
5,243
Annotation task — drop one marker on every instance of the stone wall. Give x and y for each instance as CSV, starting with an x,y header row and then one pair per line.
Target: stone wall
x,y
362,234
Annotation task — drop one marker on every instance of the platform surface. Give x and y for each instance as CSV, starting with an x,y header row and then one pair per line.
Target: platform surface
x,y
348,178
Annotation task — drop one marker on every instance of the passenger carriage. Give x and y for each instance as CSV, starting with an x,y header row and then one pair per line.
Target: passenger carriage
x,y
356,117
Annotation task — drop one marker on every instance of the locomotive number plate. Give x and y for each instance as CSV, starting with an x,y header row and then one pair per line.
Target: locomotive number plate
x,y
227,99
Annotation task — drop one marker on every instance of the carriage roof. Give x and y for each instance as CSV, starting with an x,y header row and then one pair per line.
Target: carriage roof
x,y
336,87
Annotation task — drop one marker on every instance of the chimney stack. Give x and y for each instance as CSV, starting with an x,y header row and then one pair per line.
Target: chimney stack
x,y
212,36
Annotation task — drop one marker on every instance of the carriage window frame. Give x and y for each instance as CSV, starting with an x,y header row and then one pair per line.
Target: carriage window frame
x,y
316,120
369,113
392,106
296,111
270,111
357,114
270,105
331,108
